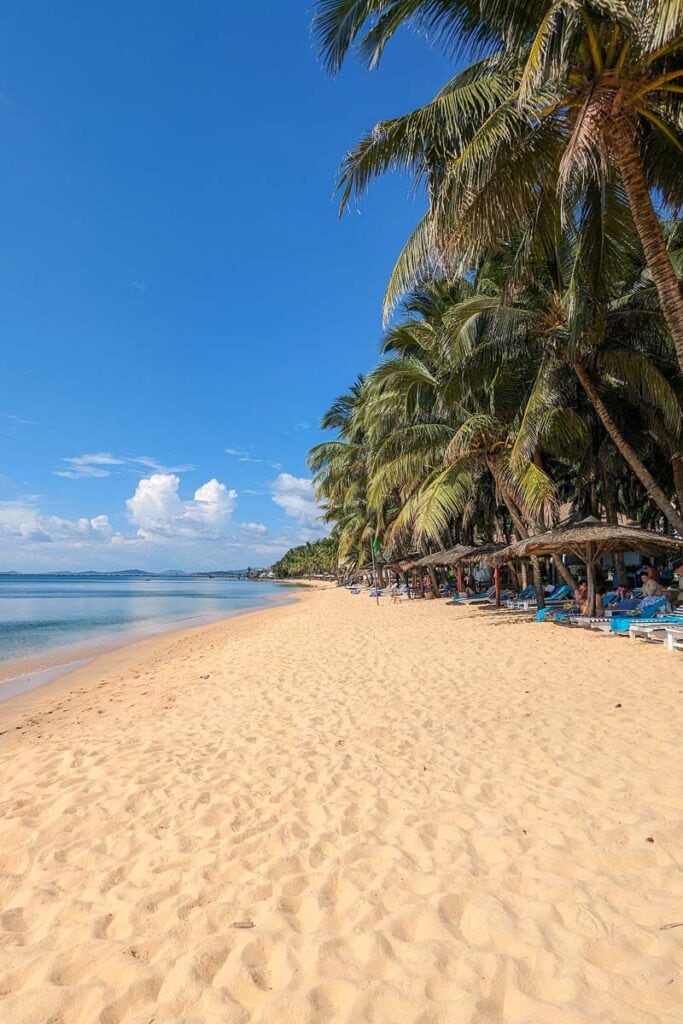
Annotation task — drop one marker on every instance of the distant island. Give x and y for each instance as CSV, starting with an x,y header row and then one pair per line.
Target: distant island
x,y
127,574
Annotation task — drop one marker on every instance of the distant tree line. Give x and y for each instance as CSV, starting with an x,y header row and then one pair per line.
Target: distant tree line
x,y
313,559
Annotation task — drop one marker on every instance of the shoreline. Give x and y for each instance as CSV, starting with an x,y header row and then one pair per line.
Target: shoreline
x,y
335,811
84,673
19,676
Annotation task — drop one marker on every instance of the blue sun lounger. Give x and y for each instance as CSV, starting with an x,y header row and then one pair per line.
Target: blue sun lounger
x,y
648,610
572,616
488,595
555,598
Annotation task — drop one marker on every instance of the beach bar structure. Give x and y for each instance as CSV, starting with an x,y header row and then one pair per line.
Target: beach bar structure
x,y
589,540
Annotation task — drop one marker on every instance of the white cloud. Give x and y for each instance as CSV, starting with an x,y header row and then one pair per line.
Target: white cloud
x,y
295,495
243,456
254,528
158,511
100,464
22,521
159,527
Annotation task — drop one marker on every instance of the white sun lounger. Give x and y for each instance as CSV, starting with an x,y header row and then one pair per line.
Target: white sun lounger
x,y
658,632
647,631
674,638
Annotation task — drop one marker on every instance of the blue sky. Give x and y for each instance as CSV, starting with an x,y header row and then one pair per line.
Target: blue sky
x,y
178,300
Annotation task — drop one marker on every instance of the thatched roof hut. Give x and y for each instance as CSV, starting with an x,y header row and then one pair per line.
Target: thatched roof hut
x,y
450,556
589,540
576,537
479,553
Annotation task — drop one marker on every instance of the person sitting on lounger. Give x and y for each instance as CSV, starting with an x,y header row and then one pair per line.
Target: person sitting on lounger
x,y
581,596
650,584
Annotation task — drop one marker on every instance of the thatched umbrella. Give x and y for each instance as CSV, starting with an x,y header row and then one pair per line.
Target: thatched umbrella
x,y
589,539
485,553
449,556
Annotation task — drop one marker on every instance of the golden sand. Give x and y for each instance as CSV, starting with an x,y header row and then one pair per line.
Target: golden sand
x,y
333,812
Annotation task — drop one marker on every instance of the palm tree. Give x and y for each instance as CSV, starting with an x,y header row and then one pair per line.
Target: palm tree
x,y
579,91
609,333
340,473
491,409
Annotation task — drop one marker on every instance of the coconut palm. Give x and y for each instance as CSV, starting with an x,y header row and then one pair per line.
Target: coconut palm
x,y
491,408
579,91
615,344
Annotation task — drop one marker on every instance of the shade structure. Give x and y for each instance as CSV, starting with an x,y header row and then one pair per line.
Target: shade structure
x,y
405,565
589,540
482,553
447,557
479,553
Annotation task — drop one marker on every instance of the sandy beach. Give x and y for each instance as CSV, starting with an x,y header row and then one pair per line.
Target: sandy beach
x,y
338,812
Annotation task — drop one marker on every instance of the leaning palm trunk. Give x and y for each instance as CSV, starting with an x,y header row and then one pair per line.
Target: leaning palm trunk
x,y
648,228
563,571
677,466
519,524
628,453
538,582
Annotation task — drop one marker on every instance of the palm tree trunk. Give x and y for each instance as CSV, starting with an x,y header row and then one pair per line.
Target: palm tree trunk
x,y
538,582
628,453
564,571
519,525
677,466
508,500
590,579
622,136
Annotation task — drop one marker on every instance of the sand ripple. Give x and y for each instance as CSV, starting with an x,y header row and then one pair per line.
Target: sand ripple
x,y
332,812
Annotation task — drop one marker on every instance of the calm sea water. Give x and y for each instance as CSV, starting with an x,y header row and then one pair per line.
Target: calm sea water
x,y
42,615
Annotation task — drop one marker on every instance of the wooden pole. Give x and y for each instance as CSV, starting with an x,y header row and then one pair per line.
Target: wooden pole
x,y
590,579
374,572
496,580
460,586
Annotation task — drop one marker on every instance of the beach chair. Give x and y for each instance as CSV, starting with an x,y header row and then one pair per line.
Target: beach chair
x,y
556,597
625,607
514,601
648,609
489,605
656,630
572,616
674,638
486,597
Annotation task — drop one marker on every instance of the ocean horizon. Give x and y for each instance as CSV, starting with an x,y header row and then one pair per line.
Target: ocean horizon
x,y
43,615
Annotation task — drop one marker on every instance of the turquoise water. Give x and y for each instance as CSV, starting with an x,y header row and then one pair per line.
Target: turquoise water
x,y
39,616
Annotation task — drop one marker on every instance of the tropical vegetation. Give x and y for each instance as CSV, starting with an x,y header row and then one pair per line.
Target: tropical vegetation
x,y
317,558
533,350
